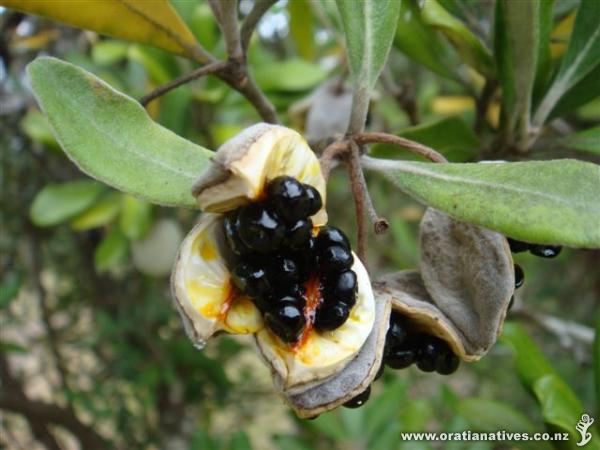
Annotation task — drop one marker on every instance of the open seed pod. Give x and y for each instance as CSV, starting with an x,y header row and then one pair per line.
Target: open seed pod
x,y
462,292
246,163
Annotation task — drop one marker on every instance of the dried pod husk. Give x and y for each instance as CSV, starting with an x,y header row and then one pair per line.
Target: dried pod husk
x,y
321,354
243,166
468,272
201,287
355,377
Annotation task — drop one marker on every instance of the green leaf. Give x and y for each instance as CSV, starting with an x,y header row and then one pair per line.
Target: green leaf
x,y
584,92
420,43
597,363
240,441
9,288
469,47
57,203
538,201
587,140
561,407
101,213
530,362
110,136
329,425
291,75
108,52
544,55
369,26
301,28
516,51
111,251
142,22
12,347
37,128
384,409
136,217
583,55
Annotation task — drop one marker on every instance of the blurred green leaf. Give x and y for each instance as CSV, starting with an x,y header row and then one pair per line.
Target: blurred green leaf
x,y
12,347
57,203
587,140
291,443
561,407
530,362
37,128
126,19
519,200
9,288
111,251
516,51
469,47
202,441
384,409
583,55
175,110
160,66
544,56
597,363
330,425
583,93
240,441
420,43
99,214
110,136
301,28
204,26
369,26
136,217
106,53
290,75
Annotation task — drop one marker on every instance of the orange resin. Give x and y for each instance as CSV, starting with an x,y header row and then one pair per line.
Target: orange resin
x,y
313,299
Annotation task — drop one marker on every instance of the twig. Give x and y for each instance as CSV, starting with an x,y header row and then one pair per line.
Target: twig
x,y
198,73
226,13
415,147
329,156
258,10
358,188
196,51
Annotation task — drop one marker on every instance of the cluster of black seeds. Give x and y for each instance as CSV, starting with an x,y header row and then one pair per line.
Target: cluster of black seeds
x,y
405,346
276,255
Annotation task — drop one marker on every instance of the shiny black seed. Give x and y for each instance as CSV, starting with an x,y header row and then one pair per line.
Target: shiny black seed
x,y
545,251
447,362
428,352
286,321
400,357
380,371
288,299
519,276
329,236
283,271
261,229
517,246
250,280
306,258
231,228
289,197
359,400
335,259
330,317
314,199
397,332
341,287
298,234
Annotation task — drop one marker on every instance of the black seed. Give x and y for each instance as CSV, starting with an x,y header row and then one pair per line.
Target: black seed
x,y
329,236
359,400
397,332
335,259
288,299
231,228
447,362
306,258
519,276
545,251
517,246
286,321
260,227
330,317
315,203
298,234
289,197
380,371
428,352
400,357
250,280
283,271
341,287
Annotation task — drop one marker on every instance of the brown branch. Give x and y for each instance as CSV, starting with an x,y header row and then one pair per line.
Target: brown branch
x,y
329,157
211,68
358,188
258,10
415,147
225,12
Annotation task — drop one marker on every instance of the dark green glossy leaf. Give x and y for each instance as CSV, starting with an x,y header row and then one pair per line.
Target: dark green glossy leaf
x,y
111,138
57,203
369,26
539,201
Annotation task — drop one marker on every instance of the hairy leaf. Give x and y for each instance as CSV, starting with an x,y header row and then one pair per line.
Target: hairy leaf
x,y
539,201
369,26
154,23
470,48
57,203
110,136
582,56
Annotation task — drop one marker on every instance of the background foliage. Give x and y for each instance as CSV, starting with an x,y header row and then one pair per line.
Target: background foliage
x,y
93,354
